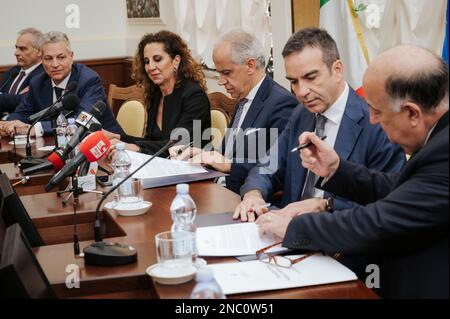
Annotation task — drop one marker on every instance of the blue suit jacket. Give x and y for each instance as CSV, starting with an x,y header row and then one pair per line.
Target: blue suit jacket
x,y
271,108
89,90
357,140
404,221
9,102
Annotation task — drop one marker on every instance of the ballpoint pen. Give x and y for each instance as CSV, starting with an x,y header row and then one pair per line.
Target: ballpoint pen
x,y
300,147
181,150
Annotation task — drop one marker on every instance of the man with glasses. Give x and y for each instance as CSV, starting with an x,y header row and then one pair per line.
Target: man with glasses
x,y
45,89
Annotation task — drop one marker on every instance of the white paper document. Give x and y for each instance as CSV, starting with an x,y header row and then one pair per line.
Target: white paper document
x,y
251,276
161,167
232,240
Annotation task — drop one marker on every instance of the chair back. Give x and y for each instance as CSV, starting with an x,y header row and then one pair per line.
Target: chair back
x,y
118,95
218,100
132,117
219,124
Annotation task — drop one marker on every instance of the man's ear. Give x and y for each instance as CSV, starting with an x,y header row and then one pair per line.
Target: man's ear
x,y
338,69
413,112
251,64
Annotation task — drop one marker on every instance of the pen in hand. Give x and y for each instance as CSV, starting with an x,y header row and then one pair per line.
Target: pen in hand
x,y
300,147
181,150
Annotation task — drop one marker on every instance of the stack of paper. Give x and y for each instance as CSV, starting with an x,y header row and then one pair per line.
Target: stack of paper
x,y
161,167
251,276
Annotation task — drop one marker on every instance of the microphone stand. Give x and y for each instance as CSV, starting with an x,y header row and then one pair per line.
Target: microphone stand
x,y
101,253
75,190
29,161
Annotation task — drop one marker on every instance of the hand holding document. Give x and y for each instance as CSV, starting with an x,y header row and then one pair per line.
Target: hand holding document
x,y
232,240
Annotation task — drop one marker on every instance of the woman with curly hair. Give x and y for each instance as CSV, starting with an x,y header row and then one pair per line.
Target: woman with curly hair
x,y
175,91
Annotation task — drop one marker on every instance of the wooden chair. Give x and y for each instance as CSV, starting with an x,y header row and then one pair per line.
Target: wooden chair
x,y
219,121
219,100
119,95
132,117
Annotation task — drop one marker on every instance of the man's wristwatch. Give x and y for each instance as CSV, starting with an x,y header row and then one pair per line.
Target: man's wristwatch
x,y
329,204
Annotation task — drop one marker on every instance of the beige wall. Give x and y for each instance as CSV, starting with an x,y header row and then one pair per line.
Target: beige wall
x,y
104,30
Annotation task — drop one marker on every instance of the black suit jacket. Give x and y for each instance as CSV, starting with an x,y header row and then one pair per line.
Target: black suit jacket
x,y
9,102
404,220
187,103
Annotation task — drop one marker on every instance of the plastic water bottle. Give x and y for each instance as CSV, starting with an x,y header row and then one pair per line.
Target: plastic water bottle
x,y
61,127
70,130
183,211
121,163
206,287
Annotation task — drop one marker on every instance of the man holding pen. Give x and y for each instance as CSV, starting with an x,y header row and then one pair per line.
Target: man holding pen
x,y
338,116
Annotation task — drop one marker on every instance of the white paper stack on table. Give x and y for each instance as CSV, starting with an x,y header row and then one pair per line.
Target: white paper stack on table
x,y
251,276
161,167
162,171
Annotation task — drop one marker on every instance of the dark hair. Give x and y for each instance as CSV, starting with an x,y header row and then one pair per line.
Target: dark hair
x,y
316,38
426,87
188,69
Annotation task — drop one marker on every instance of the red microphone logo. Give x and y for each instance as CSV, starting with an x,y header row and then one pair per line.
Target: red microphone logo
x,y
95,146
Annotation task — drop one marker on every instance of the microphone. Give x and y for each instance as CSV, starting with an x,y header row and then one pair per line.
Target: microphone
x,y
56,107
70,101
85,121
12,75
101,253
93,148
54,161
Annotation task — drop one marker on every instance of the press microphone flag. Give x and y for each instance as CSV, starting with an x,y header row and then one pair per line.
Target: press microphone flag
x,y
92,148
85,120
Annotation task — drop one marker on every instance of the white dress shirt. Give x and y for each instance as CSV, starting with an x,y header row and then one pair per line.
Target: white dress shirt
x,y
334,117
39,131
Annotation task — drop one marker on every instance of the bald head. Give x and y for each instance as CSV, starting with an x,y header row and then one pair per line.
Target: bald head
x,y
411,73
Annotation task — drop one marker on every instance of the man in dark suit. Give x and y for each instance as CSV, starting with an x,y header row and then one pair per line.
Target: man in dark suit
x,y
15,81
57,59
404,217
263,109
316,73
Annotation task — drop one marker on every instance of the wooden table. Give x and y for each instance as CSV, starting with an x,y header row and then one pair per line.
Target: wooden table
x,y
7,150
130,281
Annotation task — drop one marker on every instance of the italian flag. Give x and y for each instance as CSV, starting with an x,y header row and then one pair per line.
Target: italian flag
x,y
336,16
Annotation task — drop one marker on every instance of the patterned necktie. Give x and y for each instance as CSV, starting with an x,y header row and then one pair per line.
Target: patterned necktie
x,y
232,132
58,92
15,86
311,178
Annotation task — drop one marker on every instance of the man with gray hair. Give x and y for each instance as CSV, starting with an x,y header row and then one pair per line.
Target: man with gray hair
x,y
15,81
262,105
45,89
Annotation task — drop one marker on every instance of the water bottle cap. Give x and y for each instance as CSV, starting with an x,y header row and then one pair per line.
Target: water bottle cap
x,y
71,120
182,188
120,146
204,274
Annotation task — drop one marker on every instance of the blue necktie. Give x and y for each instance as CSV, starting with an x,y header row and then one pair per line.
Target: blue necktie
x,y
229,140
